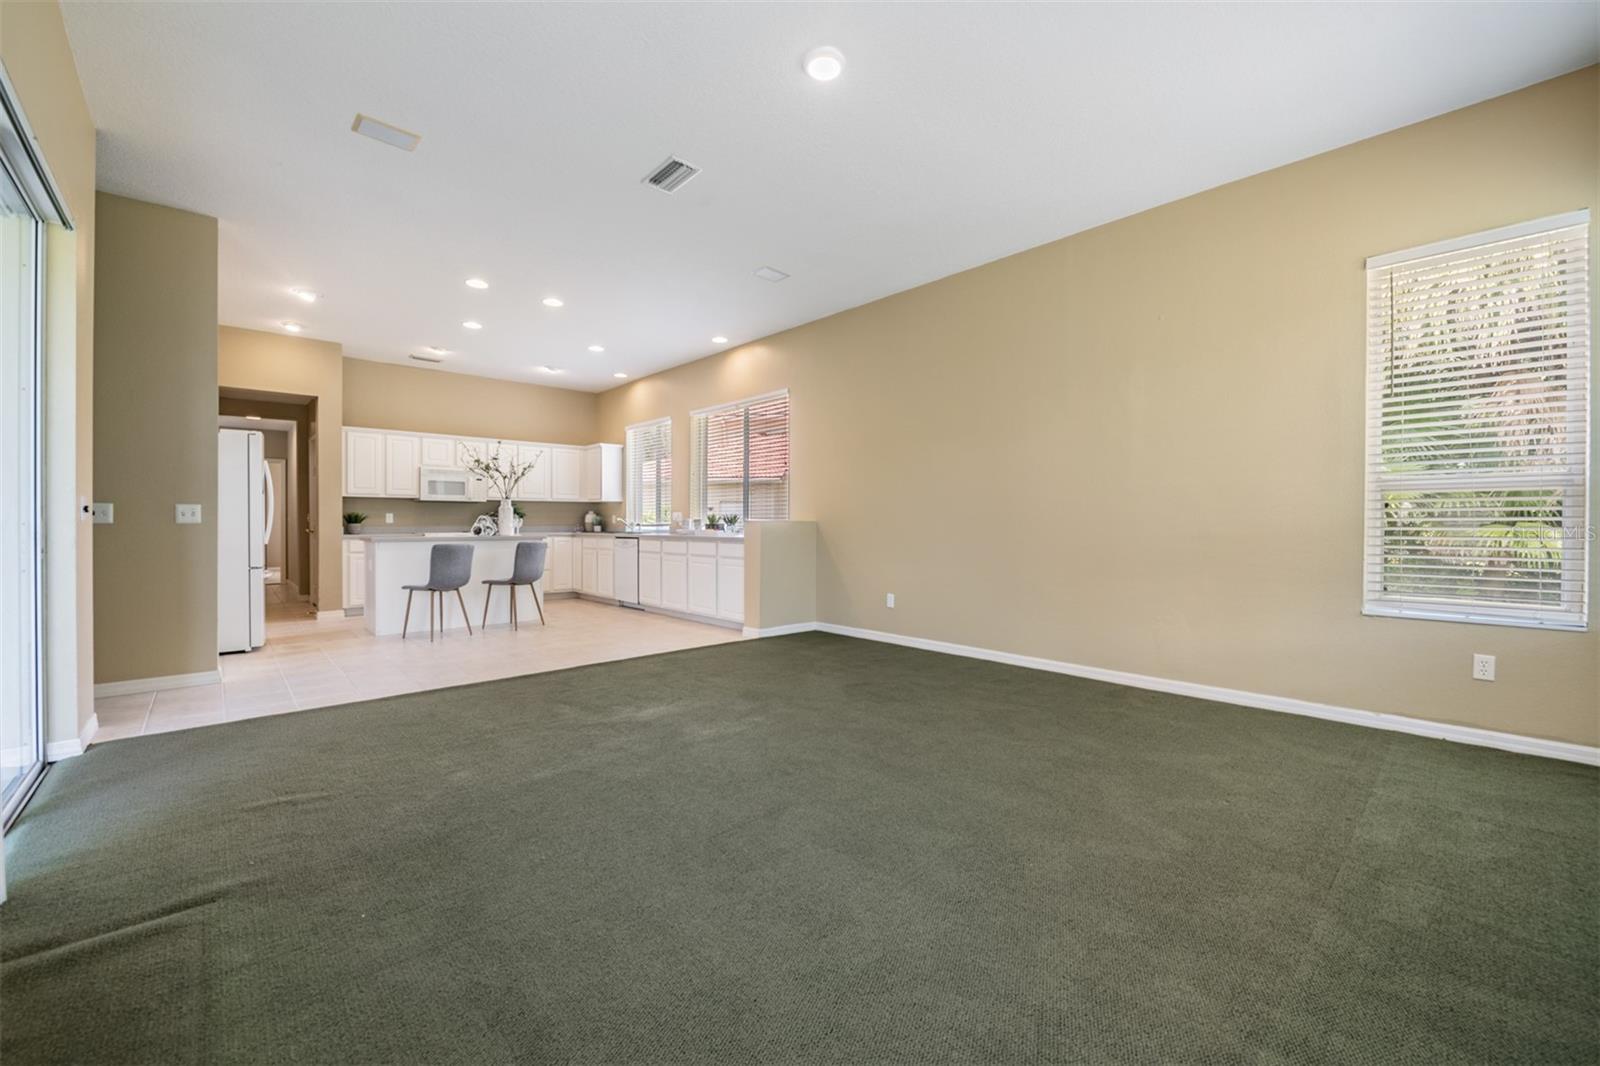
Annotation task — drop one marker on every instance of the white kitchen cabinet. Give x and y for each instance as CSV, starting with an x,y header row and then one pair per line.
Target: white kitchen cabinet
x,y
675,575
605,584
363,462
401,460
649,572
355,573
566,472
535,484
439,451
589,568
730,582
702,578
558,565
602,473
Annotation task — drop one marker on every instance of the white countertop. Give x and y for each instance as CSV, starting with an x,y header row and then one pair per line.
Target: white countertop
x,y
468,538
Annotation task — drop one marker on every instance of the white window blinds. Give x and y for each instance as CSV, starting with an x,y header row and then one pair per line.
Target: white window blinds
x,y
648,452
1478,358
739,459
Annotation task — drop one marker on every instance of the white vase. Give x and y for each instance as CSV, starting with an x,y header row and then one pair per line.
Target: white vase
x,y
506,523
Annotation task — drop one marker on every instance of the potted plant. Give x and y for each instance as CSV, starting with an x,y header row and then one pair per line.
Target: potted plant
x,y
730,522
353,520
503,476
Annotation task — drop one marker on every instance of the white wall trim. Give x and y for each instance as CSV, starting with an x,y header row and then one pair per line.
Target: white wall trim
x,y
780,631
1461,734
153,684
323,616
57,750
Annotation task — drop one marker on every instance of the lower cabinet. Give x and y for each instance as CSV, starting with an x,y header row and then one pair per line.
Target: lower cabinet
x,y
702,578
730,582
558,565
675,575
650,573
597,573
355,573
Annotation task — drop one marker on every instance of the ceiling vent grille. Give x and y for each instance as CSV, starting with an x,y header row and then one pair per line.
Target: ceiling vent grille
x,y
426,358
671,175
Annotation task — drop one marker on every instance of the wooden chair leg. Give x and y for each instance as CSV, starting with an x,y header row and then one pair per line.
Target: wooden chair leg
x,y
488,594
462,601
536,603
409,593
431,612
513,590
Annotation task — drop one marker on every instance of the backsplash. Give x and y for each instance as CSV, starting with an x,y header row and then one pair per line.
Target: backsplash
x,y
432,514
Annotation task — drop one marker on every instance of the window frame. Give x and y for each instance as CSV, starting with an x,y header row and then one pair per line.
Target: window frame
x,y
630,504
698,503
1485,611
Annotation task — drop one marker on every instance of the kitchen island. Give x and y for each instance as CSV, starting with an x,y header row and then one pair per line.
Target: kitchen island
x,y
393,560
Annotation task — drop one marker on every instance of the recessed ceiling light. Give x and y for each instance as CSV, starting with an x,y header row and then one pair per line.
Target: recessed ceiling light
x,y
619,374
469,324
596,348
825,63
293,327
719,340
552,301
253,418
770,274
304,294
393,136
434,349
477,283
549,370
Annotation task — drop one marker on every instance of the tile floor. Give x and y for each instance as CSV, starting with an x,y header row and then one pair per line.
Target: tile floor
x,y
309,662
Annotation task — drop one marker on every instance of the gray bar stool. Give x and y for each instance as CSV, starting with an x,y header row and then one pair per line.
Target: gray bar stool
x,y
449,568
526,569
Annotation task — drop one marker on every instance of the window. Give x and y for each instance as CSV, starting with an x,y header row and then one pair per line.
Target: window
x,y
1478,428
739,459
649,459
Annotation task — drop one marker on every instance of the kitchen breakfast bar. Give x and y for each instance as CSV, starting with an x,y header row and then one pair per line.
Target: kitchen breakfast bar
x,y
399,559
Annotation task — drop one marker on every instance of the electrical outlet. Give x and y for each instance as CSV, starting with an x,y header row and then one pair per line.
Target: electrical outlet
x,y
1483,668
388,516
888,601
188,514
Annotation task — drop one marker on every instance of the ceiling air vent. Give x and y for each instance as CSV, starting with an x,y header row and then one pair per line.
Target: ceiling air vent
x,y
671,175
426,358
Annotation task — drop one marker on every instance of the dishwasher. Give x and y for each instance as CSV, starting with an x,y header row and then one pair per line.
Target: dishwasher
x,y
625,556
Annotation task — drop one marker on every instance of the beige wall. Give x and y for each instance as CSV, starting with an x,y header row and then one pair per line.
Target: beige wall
x,y
155,440
389,396
298,367
1140,448
38,60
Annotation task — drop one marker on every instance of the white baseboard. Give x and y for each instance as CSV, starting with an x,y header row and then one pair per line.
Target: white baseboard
x,y
324,615
1461,734
780,631
153,684
57,750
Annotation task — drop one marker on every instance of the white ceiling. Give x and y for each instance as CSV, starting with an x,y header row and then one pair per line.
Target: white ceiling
x,y
958,133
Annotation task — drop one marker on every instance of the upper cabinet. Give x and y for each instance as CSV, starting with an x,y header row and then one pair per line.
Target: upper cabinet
x,y
566,472
537,483
438,451
363,462
401,463
602,473
379,462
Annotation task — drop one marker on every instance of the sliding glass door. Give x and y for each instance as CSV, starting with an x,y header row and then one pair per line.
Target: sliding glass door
x,y
21,702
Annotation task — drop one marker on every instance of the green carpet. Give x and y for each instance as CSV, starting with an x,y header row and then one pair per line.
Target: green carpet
x,y
804,849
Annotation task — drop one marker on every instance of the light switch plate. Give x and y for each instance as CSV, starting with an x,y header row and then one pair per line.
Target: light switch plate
x,y
103,515
188,514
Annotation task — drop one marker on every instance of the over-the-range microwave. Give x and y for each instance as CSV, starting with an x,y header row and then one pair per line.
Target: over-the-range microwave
x,y
450,483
